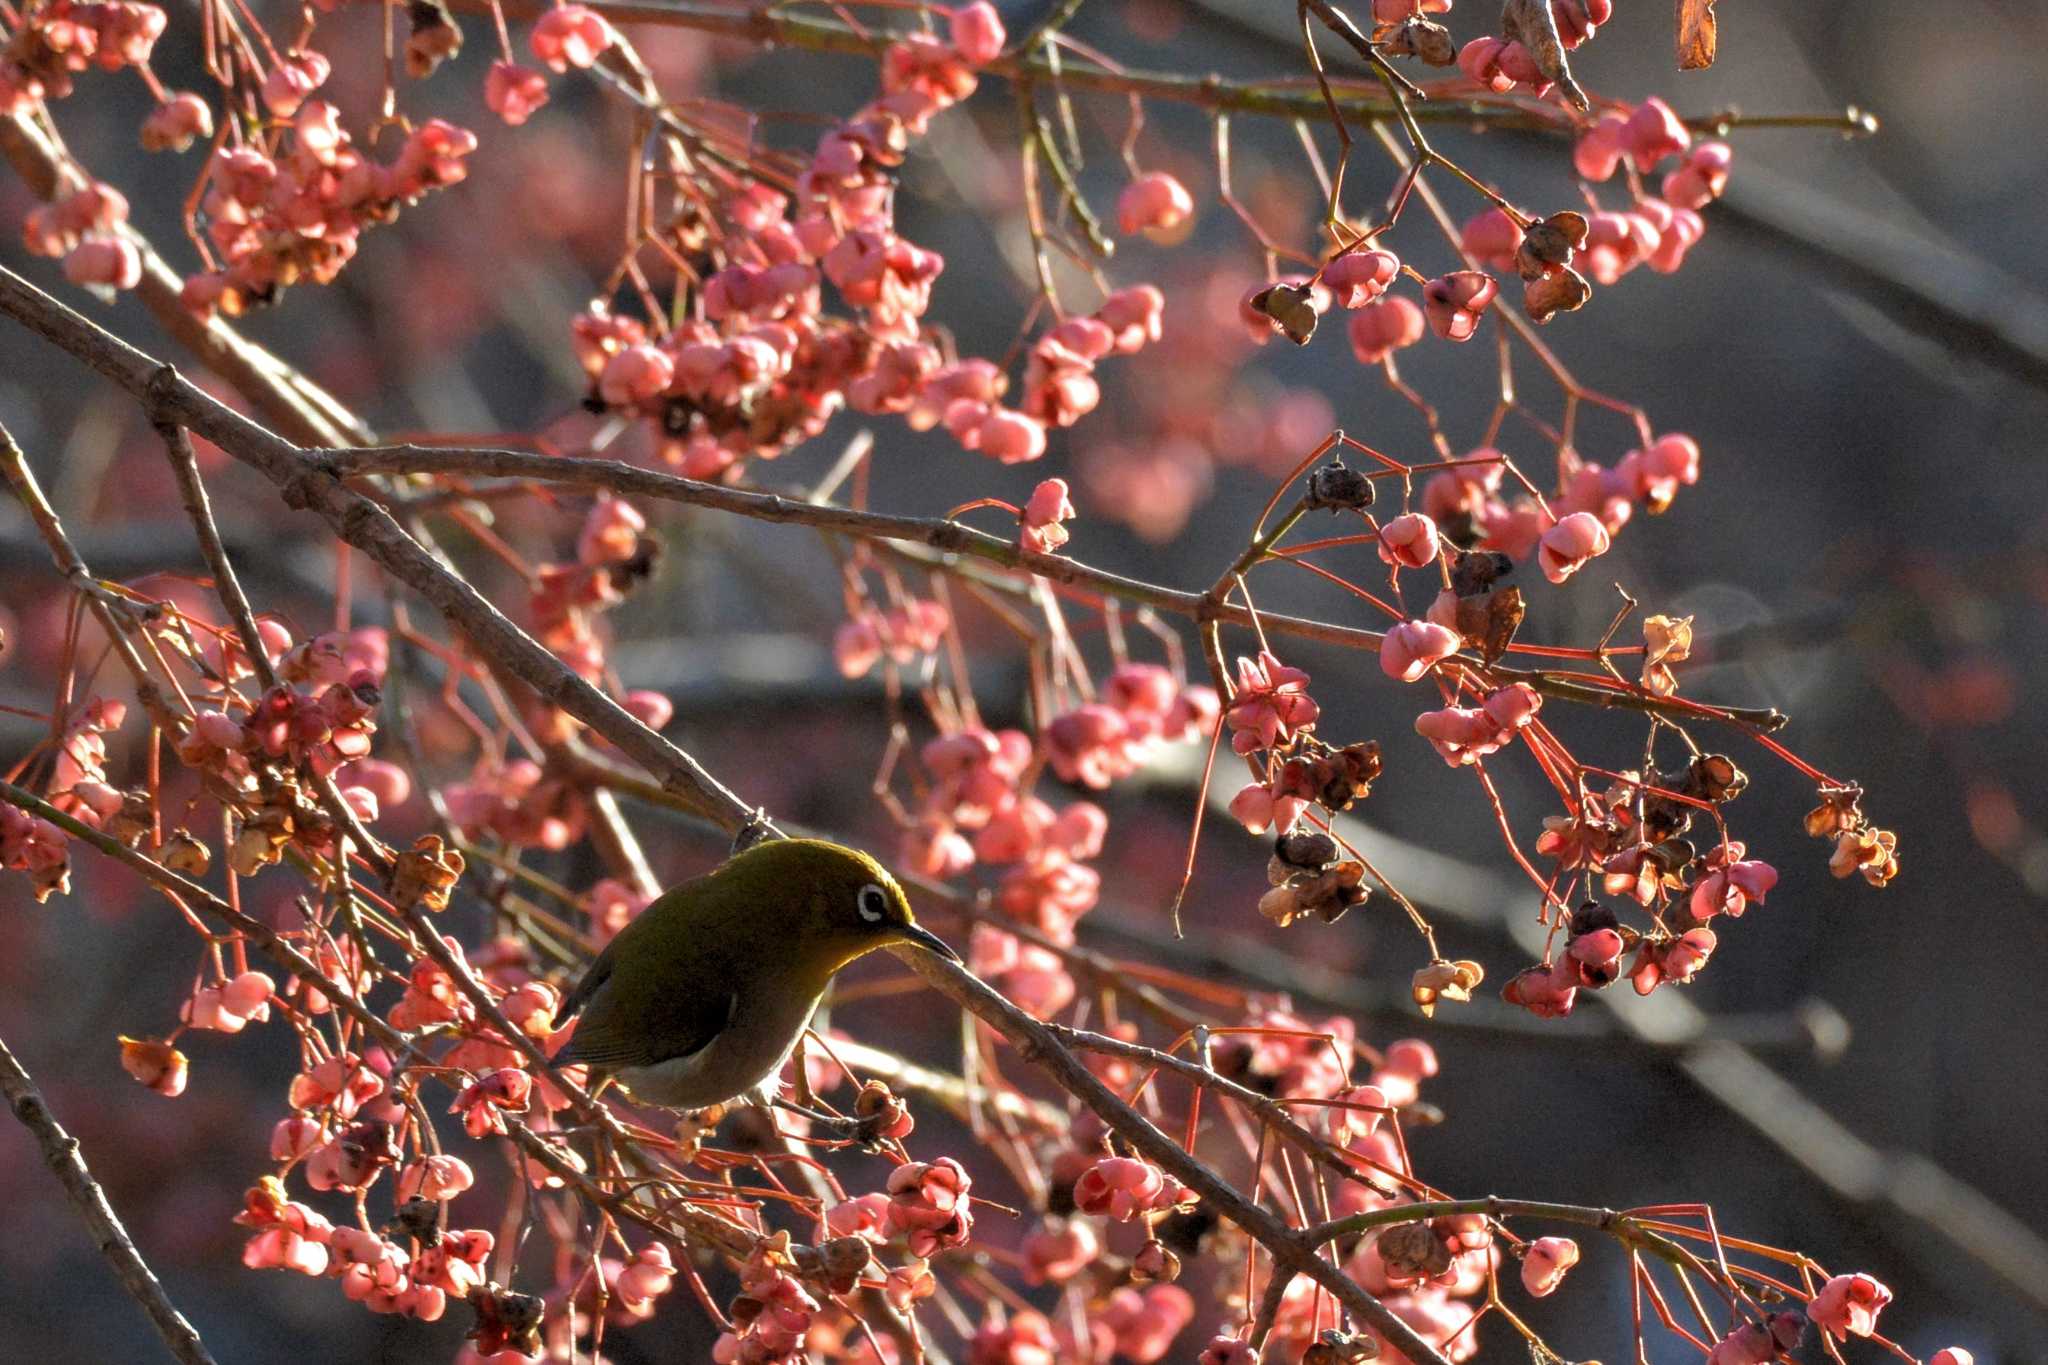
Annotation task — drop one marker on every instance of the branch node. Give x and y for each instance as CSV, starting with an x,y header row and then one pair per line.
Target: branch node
x,y
163,382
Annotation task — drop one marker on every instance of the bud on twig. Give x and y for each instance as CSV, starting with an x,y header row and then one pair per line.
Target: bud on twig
x,y
1337,487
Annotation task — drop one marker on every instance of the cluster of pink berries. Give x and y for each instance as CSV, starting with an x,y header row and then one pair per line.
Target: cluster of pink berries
x,y
296,210
926,1210
1630,840
319,721
1143,707
766,366
54,42
566,36
84,228
1127,1188
614,554
1573,525
520,803
1129,1324
775,1311
78,785
1547,254
975,803
1425,1272
352,1120
902,634
1466,734
1503,63
975,789
1843,1307
36,848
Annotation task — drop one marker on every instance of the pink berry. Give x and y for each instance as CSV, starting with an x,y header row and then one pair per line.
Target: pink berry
x,y
1491,238
1412,648
1358,277
1652,133
1453,303
1703,177
977,33
1598,152
571,35
1545,1262
1409,540
1564,548
1009,436
513,92
1379,329
110,262
1848,1305
176,123
1154,202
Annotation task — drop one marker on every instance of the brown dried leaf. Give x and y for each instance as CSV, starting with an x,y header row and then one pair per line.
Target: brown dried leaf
x,y
1293,307
1489,622
1547,296
1417,38
1475,571
1696,34
1532,24
1549,244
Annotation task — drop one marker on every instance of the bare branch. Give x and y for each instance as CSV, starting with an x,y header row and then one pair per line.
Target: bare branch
x,y
360,521
285,397
365,524
60,1151
1040,1045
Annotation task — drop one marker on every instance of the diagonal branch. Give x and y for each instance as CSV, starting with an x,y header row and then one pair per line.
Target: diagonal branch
x,y
942,534
711,1229
363,523
60,1151
1040,1045
950,537
306,483
286,398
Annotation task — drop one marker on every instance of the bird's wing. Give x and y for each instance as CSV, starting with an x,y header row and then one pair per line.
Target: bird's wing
x,y
673,1026
666,1019
594,976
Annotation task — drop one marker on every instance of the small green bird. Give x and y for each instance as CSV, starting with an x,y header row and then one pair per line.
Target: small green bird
x,y
702,998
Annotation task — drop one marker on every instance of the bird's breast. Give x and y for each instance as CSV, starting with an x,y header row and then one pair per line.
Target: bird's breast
x,y
743,1062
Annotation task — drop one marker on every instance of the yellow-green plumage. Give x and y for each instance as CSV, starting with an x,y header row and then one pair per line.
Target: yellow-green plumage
x,y
701,999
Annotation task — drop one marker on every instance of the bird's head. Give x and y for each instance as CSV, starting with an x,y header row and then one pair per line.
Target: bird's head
x,y
844,902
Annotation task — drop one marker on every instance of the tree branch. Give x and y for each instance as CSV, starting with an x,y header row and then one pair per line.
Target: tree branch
x,y
363,523
953,538
286,398
308,483
946,536
60,1151
1039,1044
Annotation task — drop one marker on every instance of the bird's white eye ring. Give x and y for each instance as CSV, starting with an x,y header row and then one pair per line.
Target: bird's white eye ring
x,y
873,903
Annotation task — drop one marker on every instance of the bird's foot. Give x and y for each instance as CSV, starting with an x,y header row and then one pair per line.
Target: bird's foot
x,y
835,1127
757,830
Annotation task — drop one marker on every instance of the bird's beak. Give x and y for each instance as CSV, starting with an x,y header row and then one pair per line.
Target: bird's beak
x,y
927,940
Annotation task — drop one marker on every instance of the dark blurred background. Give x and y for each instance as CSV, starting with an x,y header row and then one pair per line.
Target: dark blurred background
x,y
1858,345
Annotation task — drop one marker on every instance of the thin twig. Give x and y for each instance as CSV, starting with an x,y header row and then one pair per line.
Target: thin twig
x,y
953,538
360,521
60,1151
228,587
1039,1044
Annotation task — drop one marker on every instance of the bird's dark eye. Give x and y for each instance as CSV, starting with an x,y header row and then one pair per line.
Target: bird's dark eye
x,y
873,903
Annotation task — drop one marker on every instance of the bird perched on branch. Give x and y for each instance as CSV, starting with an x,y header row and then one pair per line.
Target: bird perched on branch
x,y
702,998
